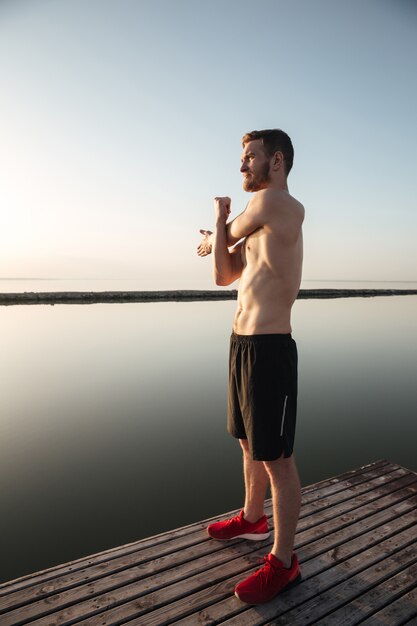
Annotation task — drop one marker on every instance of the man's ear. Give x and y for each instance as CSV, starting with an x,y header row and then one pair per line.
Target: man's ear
x,y
278,161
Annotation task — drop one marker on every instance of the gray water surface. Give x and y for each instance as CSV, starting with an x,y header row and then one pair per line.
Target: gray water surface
x,y
113,416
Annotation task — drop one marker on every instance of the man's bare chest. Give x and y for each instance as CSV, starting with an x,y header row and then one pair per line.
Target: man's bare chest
x,y
254,247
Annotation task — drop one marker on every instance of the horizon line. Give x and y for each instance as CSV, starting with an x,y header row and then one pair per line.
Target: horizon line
x,y
306,280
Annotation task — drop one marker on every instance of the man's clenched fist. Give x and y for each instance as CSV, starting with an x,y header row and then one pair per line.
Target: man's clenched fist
x,y
222,209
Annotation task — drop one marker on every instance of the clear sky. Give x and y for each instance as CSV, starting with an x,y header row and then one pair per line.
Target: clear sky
x,y
120,120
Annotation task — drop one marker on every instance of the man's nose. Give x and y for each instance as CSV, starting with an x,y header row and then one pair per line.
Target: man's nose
x,y
243,167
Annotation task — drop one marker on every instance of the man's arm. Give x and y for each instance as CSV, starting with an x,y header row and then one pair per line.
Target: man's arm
x,y
243,225
252,218
227,265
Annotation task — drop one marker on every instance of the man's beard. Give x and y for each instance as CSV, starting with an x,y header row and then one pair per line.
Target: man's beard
x,y
255,182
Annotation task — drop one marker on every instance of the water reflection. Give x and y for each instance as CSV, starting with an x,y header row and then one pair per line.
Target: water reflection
x,y
113,416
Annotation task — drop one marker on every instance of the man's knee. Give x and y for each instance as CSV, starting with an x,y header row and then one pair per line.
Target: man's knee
x,y
282,466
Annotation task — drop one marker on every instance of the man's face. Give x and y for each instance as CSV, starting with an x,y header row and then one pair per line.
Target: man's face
x,y
255,166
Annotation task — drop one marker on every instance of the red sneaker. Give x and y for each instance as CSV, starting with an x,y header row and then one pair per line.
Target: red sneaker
x,y
268,581
239,528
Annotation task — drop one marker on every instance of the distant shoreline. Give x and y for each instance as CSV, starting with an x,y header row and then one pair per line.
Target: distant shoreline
x,y
97,297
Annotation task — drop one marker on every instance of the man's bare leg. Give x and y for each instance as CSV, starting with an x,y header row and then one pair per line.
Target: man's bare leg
x,y
256,485
286,503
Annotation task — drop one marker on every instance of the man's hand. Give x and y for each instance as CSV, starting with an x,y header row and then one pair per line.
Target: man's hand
x,y
206,244
222,209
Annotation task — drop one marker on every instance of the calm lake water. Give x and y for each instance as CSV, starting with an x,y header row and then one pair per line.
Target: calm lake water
x,y
113,415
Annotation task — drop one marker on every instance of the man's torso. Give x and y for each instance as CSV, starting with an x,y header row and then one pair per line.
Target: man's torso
x,y
272,262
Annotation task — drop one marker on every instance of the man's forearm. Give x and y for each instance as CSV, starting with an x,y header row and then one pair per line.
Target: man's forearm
x,y
230,239
222,262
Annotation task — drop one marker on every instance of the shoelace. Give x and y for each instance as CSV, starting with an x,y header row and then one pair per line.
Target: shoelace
x,y
234,521
266,573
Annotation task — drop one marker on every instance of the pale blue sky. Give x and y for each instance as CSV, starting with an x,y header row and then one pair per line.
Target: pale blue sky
x,y
120,120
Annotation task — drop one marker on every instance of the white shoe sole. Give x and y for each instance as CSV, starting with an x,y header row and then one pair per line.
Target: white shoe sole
x,y
249,536
254,536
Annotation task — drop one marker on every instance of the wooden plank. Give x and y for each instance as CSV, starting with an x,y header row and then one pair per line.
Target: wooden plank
x,y
365,605
215,577
184,575
350,491
349,590
349,482
215,583
188,585
358,498
340,567
130,571
105,555
322,540
89,588
401,612
375,465
111,560
146,559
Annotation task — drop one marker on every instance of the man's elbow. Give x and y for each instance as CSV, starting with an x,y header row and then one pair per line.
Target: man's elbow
x,y
222,281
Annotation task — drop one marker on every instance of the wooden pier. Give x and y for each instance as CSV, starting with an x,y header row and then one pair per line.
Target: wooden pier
x,y
356,542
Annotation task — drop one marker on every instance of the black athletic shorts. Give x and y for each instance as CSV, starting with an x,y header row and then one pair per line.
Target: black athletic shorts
x,y
262,401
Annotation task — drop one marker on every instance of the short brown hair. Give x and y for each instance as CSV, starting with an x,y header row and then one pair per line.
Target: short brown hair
x,y
274,140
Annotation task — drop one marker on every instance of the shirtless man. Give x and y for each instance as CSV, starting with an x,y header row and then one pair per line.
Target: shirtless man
x,y
266,252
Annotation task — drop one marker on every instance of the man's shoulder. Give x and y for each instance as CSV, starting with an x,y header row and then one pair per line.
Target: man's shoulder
x,y
272,199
